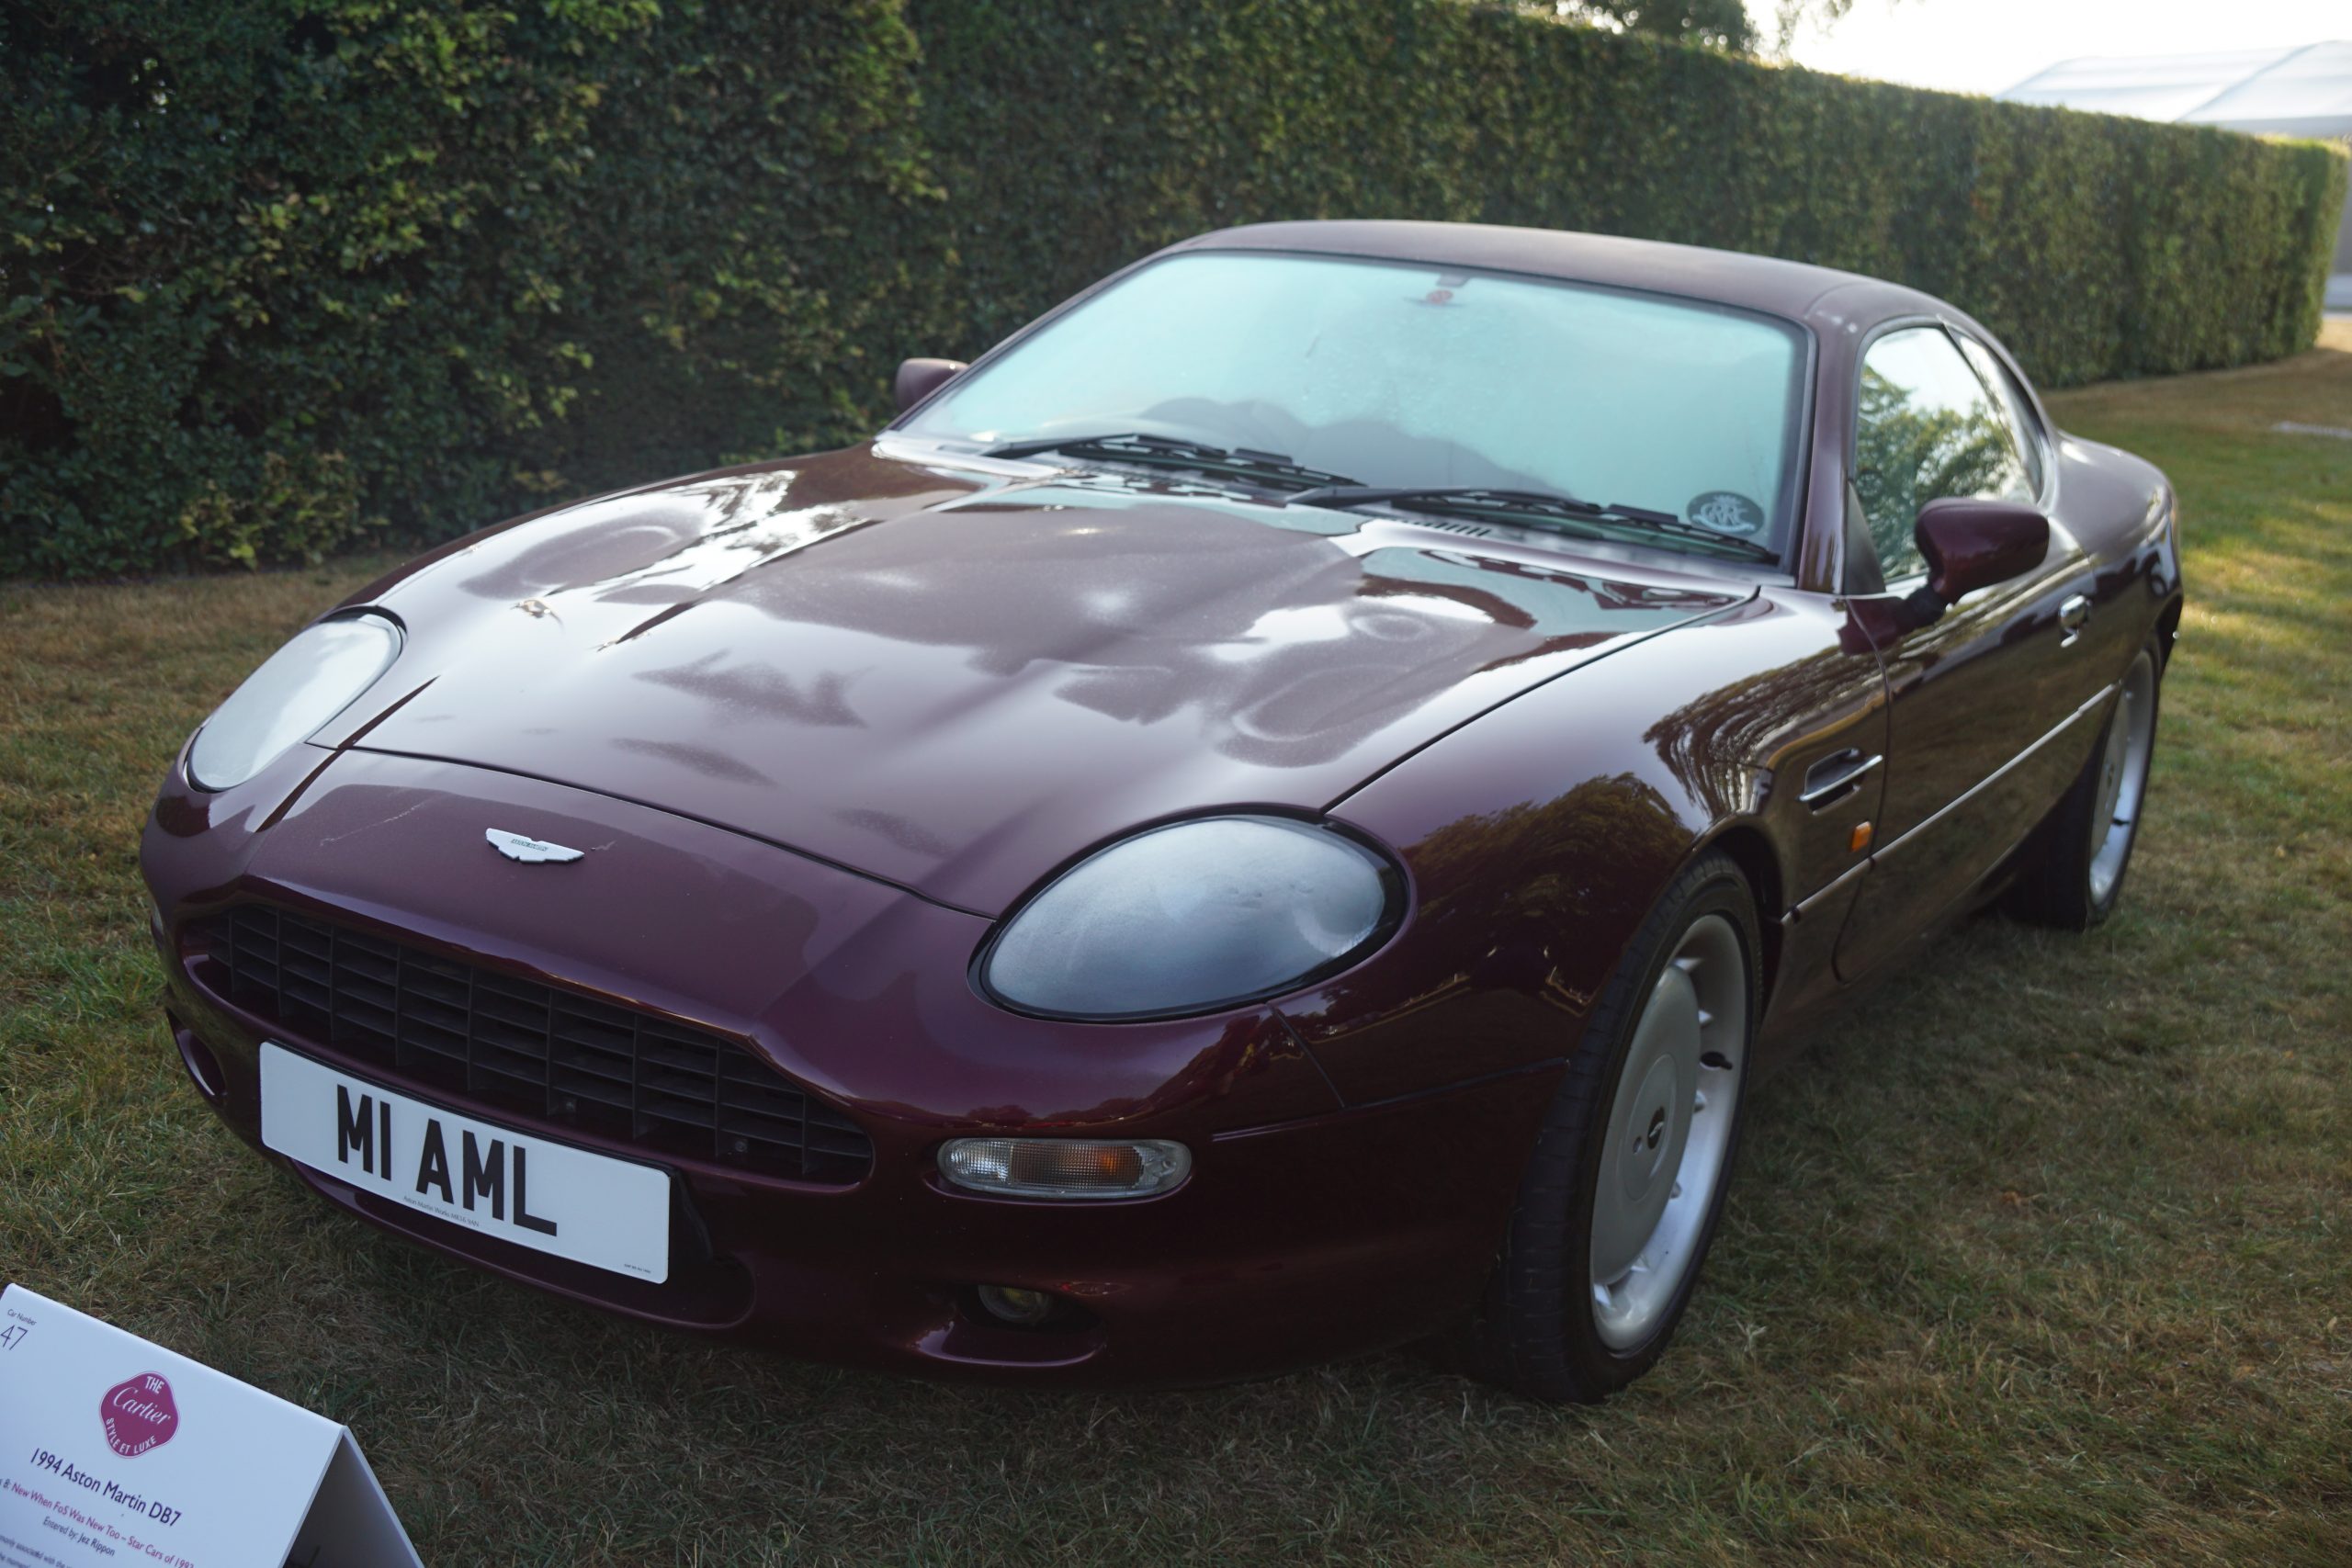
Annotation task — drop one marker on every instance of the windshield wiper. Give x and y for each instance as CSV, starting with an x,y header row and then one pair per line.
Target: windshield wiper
x,y
1173,451
1606,522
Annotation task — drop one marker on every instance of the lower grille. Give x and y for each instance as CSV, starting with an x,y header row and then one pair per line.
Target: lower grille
x,y
501,1040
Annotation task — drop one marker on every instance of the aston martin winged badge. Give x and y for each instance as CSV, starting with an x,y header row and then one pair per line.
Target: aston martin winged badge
x,y
530,852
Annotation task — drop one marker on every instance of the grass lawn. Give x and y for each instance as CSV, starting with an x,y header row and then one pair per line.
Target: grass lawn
x,y
2045,1255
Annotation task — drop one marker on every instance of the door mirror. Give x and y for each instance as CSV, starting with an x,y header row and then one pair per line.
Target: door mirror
x,y
917,378
1970,544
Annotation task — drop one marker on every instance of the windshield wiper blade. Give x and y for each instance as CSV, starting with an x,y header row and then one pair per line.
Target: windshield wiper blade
x,y
1487,500
1174,452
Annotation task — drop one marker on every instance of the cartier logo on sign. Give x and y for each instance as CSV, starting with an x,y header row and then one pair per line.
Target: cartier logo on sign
x,y
138,1415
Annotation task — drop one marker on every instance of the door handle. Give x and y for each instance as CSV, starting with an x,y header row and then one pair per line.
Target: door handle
x,y
2072,617
1835,777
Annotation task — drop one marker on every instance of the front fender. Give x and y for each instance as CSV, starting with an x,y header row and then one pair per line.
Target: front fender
x,y
1540,837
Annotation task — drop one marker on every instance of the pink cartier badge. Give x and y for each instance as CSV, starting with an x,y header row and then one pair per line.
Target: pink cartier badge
x,y
138,1415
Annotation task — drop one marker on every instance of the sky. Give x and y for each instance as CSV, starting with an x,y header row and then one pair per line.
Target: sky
x,y
1985,46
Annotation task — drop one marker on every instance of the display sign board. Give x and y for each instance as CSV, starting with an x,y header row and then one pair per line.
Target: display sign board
x,y
114,1451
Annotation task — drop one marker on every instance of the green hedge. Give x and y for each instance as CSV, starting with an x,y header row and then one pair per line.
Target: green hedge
x,y
282,276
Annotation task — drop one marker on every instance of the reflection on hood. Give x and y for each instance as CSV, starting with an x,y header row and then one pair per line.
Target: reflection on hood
x,y
956,687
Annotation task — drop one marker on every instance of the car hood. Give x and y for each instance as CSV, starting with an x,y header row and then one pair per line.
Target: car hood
x,y
955,680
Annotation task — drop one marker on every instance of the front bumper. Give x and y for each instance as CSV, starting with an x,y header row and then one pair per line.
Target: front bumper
x,y
1307,1230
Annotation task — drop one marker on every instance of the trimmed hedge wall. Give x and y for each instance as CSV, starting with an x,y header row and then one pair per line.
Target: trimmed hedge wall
x,y
285,277
280,273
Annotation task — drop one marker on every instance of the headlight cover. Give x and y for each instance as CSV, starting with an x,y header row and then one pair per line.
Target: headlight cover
x,y
1192,918
314,677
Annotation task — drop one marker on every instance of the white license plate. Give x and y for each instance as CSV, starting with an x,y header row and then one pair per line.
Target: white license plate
x,y
547,1196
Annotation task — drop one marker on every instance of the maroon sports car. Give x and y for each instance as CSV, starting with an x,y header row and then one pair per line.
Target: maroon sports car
x,y
1274,814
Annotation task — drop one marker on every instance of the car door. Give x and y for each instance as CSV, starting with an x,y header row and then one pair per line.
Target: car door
x,y
1985,727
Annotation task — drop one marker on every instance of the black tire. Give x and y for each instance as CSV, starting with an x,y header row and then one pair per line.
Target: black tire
x,y
2059,880
1536,1331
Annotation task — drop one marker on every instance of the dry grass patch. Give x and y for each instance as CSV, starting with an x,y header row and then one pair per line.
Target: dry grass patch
x,y
2045,1255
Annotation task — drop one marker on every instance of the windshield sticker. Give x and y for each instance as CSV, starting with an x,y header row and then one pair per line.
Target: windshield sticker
x,y
1447,283
1726,512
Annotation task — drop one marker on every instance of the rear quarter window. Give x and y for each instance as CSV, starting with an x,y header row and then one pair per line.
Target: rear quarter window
x,y
2017,409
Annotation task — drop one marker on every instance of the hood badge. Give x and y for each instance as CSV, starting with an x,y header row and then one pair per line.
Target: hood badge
x,y
530,852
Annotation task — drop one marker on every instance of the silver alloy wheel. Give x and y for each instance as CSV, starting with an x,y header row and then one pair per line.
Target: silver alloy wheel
x,y
2124,776
1669,1137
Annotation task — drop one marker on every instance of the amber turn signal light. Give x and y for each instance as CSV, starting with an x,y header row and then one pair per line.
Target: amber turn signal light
x,y
1861,837
1064,1168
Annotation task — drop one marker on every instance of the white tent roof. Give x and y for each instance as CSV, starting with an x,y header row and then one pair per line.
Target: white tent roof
x,y
2282,92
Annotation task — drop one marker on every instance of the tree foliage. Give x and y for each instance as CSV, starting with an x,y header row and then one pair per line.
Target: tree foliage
x,y
1792,16
1721,23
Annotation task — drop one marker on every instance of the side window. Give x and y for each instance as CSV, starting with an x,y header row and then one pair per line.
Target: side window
x,y
2017,409
1926,428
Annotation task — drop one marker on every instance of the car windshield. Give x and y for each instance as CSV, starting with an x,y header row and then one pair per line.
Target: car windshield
x,y
1404,374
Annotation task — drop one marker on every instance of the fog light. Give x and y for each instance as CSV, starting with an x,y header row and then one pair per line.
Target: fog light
x,y
1010,1303
1064,1168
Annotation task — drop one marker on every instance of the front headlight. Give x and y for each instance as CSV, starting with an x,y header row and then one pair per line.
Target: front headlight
x,y
1194,917
317,675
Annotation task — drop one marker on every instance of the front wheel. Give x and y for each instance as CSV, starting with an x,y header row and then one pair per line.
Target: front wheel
x,y
1622,1193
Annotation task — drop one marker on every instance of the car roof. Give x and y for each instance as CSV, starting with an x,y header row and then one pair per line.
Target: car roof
x,y
1797,290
